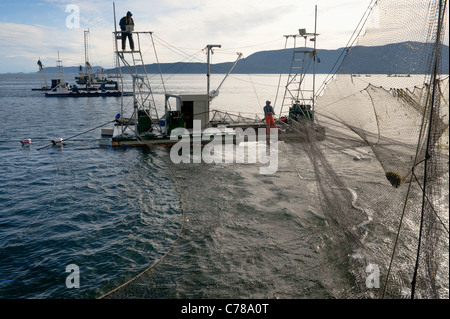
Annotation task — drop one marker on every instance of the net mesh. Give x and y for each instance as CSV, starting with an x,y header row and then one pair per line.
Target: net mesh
x,y
393,214
403,120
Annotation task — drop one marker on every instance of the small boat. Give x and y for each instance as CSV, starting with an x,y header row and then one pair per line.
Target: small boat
x,y
103,90
190,117
87,84
42,88
189,113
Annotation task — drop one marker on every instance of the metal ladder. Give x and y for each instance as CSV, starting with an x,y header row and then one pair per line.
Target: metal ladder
x,y
294,89
134,63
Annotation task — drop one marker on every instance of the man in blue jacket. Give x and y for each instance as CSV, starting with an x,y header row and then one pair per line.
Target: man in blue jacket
x,y
124,22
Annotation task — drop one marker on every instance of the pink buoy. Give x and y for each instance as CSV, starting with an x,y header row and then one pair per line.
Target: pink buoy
x,y
25,141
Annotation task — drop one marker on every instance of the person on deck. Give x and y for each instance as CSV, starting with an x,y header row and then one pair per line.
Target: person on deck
x,y
124,22
269,113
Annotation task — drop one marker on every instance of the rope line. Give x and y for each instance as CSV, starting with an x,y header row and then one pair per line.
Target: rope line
x,y
362,22
69,138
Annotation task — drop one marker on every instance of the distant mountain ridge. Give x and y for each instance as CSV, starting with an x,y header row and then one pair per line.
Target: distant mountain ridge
x,y
397,58
71,69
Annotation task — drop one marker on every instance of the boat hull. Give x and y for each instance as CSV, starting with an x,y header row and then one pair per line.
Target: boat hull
x,y
89,94
112,137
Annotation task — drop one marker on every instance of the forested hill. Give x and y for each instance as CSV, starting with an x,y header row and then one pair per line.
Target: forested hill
x,y
398,58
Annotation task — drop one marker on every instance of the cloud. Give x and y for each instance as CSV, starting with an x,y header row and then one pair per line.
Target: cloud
x,y
28,40
238,24
245,26
24,44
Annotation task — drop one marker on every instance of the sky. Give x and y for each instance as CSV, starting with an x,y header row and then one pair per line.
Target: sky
x,y
33,29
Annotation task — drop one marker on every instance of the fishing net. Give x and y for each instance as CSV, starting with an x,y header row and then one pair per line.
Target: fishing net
x,y
400,116
378,153
227,118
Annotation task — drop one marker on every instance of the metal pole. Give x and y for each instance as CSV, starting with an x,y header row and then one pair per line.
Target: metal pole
x,y
428,156
229,72
208,73
315,60
116,56
135,105
87,66
86,55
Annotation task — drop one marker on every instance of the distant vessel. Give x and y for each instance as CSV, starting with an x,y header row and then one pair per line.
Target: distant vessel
x,y
74,91
87,84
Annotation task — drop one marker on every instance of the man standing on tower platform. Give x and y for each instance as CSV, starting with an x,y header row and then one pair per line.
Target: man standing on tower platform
x,y
127,26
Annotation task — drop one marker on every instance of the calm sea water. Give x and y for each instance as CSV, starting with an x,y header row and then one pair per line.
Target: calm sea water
x,y
110,212
115,212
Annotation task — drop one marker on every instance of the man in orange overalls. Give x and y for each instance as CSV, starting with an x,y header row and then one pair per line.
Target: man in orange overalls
x,y
269,113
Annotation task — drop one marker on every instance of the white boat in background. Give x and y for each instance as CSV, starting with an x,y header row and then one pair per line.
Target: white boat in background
x,y
87,83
